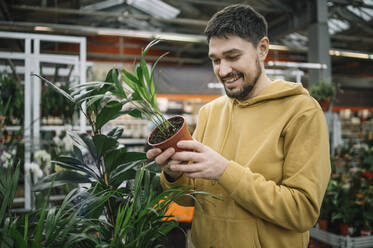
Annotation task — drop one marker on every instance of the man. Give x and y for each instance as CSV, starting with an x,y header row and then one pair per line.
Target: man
x,y
262,149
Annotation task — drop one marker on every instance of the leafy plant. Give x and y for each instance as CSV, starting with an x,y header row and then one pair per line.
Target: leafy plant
x,y
323,91
9,88
122,204
144,96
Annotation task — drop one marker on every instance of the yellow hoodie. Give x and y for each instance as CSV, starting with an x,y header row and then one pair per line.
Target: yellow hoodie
x,y
271,192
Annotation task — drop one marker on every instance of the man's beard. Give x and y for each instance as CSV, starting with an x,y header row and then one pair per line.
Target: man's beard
x,y
245,90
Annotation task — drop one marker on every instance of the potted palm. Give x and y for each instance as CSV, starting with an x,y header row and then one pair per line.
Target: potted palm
x,y
324,92
167,132
123,205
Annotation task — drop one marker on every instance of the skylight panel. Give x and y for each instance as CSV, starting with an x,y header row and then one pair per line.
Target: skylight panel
x,y
336,25
360,12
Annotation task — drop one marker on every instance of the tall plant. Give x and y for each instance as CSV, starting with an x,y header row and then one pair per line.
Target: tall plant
x,y
123,197
144,91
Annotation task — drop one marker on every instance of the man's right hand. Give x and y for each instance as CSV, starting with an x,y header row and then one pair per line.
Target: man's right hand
x,y
164,161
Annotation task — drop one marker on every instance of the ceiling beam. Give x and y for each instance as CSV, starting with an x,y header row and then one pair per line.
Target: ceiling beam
x,y
292,22
353,18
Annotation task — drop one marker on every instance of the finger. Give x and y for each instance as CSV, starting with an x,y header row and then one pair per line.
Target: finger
x,y
193,175
163,158
186,156
188,168
191,145
152,153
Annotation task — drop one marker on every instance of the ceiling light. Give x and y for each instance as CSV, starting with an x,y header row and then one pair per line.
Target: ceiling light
x,y
41,28
278,47
156,8
351,54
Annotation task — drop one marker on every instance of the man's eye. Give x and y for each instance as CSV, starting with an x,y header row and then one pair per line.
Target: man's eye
x,y
216,61
233,57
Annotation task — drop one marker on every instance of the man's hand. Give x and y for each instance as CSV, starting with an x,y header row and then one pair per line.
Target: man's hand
x,y
206,164
164,161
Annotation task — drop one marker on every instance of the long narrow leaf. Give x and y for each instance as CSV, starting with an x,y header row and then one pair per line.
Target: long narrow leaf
x,y
60,91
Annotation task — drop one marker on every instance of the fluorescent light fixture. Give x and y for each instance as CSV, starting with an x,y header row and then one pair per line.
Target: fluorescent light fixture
x,y
156,8
278,47
351,54
102,5
297,65
44,29
181,37
152,35
126,33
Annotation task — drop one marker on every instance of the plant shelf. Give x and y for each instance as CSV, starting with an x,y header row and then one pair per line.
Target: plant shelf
x,y
341,241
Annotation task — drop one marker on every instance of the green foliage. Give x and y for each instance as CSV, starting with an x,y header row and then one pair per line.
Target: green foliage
x,y
55,104
349,196
144,91
13,91
121,205
323,91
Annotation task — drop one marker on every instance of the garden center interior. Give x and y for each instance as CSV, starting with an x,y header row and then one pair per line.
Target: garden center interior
x,y
327,45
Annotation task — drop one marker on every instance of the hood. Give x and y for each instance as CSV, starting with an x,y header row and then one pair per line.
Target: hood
x,y
277,89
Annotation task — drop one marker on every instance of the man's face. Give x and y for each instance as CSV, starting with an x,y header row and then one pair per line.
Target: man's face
x,y
236,64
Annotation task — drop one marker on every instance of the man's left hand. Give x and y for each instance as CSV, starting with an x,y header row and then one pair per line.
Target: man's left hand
x,y
203,161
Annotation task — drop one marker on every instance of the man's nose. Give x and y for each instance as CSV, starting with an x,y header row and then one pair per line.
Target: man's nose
x,y
224,69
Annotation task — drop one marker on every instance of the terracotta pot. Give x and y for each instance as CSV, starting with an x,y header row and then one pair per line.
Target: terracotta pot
x,y
322,224
345,229
365,232
325,105
181,134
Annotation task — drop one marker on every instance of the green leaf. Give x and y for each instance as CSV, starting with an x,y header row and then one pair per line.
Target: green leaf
x,y
121,156
60,91
89,145
17,237
135,113
109,112
119,88
104,144
61,178
116,132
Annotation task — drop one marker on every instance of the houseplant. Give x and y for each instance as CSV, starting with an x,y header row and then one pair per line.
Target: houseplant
x,y
168,131
123,205
13,90
324,92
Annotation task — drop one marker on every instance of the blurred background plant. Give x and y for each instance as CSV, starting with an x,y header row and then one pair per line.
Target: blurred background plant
x,y
349,197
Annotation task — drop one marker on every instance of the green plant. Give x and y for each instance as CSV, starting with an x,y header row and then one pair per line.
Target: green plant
x,y
144,92
323,91
9,88
123,206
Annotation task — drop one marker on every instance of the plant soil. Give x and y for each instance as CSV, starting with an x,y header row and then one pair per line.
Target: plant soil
x,y
157,136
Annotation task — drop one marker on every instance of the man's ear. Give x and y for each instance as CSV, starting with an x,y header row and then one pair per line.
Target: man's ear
x,y
263,48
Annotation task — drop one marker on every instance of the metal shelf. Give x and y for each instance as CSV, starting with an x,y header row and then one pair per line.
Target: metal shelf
x,y
341,241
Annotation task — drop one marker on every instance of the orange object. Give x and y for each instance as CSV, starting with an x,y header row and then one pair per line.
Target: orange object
x,y
181,213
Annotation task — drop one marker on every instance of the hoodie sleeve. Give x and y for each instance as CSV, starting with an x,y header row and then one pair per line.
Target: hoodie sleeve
x,y
295,202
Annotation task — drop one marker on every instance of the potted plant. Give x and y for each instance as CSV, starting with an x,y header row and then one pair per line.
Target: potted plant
x,y
122,204
167,132
324,92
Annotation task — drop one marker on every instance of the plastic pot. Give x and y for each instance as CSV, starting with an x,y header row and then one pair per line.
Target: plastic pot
x,y
181,134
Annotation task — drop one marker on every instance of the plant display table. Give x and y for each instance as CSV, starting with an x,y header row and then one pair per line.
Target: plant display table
x,y
341,241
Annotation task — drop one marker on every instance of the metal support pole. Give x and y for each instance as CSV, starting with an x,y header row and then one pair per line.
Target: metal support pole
x,y
27,127
319,42
36,96
82,71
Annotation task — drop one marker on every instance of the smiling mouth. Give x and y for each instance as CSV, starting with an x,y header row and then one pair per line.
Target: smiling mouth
x,y
230,80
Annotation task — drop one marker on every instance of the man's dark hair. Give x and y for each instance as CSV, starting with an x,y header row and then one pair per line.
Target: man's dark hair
x,y
241,20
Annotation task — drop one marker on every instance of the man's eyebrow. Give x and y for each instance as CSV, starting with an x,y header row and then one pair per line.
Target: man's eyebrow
x,y
230,51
